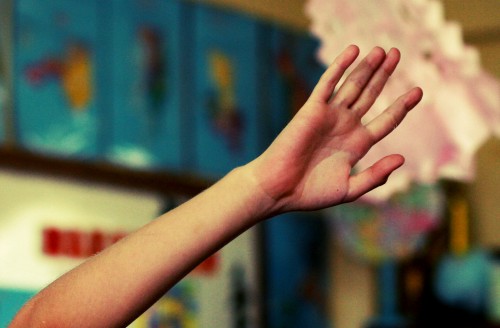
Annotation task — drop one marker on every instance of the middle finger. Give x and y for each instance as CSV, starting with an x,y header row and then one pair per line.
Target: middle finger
x,y
358,79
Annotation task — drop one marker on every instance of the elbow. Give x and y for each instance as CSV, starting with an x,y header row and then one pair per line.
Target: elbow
x,y
27,317
23,317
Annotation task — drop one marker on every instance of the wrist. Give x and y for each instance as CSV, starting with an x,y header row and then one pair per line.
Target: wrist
x,y
256,202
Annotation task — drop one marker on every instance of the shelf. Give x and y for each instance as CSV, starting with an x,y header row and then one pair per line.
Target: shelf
x,y
160,182
270,10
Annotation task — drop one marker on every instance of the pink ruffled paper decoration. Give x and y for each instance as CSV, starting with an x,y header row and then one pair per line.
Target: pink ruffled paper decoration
x,y
461,105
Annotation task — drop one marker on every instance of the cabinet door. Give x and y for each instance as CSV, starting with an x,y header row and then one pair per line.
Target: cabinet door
x,y
147,81
227,99
56,75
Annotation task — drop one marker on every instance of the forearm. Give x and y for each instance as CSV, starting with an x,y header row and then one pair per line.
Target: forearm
x,y
112,288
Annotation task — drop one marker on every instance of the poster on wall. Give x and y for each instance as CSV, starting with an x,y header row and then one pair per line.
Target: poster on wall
x,y
56,70
149,43
228,113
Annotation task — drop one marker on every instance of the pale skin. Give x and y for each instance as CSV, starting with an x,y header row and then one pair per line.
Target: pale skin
x,y
308,167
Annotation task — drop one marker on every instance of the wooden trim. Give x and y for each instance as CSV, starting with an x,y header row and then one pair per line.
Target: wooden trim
x,y
482,37
289,13
161,182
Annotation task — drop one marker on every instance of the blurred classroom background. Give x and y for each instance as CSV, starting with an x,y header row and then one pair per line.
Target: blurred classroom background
x,y
112,112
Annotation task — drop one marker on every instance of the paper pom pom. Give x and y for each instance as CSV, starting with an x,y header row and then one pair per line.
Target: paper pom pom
x,y
395,229
461,105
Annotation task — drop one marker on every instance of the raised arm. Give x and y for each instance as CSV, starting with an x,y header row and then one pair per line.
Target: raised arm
x,y
307,167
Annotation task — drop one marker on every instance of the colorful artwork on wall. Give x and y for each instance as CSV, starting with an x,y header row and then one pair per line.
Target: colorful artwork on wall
x,y
147,71
225,116
228,114
56,76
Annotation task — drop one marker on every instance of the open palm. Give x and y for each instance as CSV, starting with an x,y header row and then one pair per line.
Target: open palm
x,y
309,165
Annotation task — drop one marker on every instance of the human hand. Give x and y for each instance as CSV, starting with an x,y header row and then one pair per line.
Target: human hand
x,y
309,165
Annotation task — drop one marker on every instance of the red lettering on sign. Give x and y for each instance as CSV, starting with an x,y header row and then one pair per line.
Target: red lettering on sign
x,y
77,243
209,266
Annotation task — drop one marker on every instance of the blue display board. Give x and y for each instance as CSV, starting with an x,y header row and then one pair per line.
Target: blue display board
x,y
57,73
148,42
228,110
